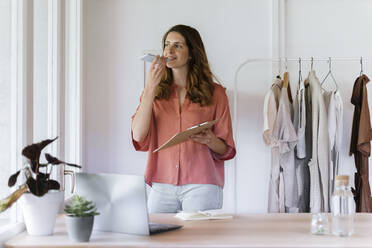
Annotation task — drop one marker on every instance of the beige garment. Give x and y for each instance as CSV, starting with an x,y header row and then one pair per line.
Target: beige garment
x,y
271,105
319,163
283,173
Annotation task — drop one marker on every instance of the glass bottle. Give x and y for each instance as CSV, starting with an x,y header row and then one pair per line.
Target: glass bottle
x,y
343,207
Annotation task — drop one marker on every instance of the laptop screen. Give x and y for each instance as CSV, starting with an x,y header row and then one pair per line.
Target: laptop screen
x,y
120,200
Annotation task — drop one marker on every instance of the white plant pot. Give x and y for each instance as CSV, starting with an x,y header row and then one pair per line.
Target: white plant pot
x,y
40,213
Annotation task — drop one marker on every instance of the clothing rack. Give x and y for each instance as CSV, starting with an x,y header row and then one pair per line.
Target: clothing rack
x,y
280,61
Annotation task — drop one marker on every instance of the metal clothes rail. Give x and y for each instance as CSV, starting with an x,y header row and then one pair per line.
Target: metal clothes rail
x,y
280,61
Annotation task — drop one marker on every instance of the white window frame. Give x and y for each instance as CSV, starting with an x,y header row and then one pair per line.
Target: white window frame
x,y
21,84
55,112
65,85
74,86
74,81
20,96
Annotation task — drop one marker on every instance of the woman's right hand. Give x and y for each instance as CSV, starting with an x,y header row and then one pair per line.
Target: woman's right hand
x,y
155,73
142,119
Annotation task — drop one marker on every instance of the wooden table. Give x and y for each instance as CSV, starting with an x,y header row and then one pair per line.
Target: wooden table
x,y
253,230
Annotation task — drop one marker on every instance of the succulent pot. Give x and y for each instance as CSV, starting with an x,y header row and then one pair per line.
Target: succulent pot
x,y
40,213
79,229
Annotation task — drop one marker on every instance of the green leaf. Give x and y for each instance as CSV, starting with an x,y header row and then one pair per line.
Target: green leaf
x,y
80,207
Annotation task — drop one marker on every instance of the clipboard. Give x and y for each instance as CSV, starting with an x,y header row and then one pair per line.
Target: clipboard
x,y
184,135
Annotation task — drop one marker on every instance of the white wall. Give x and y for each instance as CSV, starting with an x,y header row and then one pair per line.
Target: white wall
x,y
117,31
340,29
4,98
40,91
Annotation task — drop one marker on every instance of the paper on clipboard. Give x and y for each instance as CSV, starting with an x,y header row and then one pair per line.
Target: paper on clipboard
x,y
184,136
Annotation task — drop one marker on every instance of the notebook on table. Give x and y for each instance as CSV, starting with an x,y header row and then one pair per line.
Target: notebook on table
x,y
212,214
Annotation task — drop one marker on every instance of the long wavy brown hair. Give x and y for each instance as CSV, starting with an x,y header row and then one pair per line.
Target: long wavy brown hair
x,y
199,84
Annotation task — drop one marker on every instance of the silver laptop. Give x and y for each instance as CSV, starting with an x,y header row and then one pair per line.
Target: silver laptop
x,y
121,201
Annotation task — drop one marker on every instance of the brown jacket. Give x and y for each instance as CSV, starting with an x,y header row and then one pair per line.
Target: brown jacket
x,y
360,144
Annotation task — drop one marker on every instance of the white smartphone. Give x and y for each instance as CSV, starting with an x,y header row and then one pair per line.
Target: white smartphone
x,y
150,57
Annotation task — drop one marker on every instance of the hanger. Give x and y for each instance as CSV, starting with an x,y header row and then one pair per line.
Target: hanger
x,y
330,74
279,67
361,66
306,82
286,75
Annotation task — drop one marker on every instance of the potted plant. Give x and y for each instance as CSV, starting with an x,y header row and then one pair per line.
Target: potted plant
x,y
42,196
80,218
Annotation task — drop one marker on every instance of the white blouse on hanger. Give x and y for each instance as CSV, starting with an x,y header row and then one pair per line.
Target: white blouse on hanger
x,y
319,163
334,108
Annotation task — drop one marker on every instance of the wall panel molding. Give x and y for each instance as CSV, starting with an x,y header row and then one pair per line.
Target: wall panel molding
x,y
21,84
54,113
74,82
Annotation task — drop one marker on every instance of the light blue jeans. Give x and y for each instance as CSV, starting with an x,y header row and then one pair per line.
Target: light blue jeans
x,y
168,198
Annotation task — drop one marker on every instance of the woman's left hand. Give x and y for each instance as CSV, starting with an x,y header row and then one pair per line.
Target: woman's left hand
x,y
204,137
208,138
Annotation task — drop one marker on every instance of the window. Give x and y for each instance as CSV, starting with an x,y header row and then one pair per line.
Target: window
x,y
33,87
5,101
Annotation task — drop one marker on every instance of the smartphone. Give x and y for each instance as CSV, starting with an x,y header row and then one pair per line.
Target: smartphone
x,y
150,57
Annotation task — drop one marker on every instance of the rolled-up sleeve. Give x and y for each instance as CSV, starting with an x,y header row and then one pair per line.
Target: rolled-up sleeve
x,y
144,144
223,128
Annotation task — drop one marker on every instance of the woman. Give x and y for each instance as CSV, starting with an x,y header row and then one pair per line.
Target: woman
x,y
180,93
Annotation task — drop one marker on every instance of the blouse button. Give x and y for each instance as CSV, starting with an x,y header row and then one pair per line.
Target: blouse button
x,y
177,166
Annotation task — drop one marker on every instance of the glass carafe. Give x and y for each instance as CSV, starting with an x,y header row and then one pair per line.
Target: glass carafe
x,y
343,207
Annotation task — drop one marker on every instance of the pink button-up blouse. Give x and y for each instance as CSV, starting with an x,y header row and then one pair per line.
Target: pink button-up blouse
x,y
189,162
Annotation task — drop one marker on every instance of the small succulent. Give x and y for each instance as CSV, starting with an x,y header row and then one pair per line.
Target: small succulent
x,y
80,207
37,182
